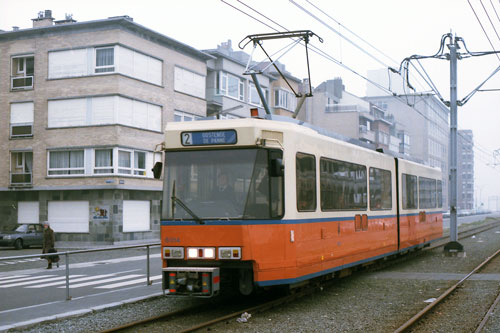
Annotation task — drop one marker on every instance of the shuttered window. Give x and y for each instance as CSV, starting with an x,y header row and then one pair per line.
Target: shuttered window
x,y
69,216
136,215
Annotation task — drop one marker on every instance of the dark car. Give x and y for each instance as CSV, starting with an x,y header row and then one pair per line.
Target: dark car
x,y
23,236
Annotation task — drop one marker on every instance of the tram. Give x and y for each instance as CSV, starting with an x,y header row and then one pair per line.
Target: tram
x,y
259,203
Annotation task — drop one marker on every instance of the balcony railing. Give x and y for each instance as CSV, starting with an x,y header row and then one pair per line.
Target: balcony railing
x,y
21,82
21,179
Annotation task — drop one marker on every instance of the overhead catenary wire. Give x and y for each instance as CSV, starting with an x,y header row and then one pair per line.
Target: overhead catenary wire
x,y
482,27
336,61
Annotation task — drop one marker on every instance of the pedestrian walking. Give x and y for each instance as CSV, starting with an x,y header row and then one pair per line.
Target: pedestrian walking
x,y
49,241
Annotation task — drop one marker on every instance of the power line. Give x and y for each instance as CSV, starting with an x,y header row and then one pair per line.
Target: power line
x,y
489,18
482,27
334,60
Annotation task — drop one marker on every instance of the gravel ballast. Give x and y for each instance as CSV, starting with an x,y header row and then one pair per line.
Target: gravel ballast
x,y
378,301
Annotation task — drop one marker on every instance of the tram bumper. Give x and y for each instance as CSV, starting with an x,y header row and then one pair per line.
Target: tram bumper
x,y
191,281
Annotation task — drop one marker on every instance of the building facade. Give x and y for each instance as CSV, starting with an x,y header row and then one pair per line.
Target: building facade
x,y
84,105
337,110
425,129
465,170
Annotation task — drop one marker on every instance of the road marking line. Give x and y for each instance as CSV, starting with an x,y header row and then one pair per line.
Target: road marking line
x,y
35,281
127,283
11,277
72,280
26,278
103,281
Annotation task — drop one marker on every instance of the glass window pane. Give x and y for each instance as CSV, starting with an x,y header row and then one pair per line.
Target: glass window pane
x,y
306,182
380,189
409,191
343,185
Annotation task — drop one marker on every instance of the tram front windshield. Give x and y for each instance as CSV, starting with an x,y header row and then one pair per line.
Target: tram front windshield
x,y
222,184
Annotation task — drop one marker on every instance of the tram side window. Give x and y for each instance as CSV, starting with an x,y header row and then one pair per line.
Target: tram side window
x,y
409,191
427,192
440,193
343,185
380,189
306,182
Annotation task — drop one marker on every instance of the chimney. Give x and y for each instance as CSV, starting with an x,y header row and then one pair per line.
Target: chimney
x,y
68,18
44,19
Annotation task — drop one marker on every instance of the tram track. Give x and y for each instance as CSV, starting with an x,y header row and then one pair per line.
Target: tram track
x,y
437,306
176,320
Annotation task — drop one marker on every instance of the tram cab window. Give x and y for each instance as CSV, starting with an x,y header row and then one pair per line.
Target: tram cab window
x,y
222,184
410,194
305,166
380,189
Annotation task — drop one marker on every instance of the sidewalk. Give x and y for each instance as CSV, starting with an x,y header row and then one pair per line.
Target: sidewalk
x,y
34,314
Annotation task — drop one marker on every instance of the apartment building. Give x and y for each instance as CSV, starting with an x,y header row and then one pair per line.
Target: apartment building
x,y
337,110
84,104
465,170
425,121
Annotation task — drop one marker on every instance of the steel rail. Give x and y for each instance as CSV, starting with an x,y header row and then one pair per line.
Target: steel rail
x,y
487,315
152,319
262,307
426,310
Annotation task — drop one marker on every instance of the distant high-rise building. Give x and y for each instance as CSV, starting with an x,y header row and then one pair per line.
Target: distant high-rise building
x,y
465,170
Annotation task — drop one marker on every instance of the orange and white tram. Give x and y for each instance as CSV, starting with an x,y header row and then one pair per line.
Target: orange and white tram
x,y
265,203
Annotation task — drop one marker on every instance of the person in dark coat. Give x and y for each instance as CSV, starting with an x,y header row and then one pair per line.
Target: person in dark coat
x,y
49,242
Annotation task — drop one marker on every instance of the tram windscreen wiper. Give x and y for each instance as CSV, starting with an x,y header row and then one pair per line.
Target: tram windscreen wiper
x,y
183,205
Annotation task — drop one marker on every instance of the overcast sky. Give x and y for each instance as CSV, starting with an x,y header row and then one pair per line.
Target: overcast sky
x,y
397,28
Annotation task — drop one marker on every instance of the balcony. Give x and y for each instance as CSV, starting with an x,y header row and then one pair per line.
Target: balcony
x,y
21,179
21,82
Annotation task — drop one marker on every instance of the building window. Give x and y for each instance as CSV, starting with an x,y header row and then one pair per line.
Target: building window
x,y
231,86
306,182
189,82
21,120
67,162
91,61
103,161
106,110
21,168
285,99
22,72
254,97
184,116
104,60
127,158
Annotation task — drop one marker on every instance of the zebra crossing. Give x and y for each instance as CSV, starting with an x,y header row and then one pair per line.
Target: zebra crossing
x,y
102,281
13,262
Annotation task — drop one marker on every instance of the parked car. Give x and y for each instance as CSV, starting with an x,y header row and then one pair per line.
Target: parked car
x,y
23,236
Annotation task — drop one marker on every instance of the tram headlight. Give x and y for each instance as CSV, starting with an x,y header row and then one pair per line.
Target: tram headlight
x,y
173,252
201,253
229,252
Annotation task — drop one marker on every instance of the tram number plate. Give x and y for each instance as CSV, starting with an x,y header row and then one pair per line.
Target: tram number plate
x,y
225,137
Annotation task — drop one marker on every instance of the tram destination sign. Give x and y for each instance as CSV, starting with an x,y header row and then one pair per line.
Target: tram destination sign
x,y
202,138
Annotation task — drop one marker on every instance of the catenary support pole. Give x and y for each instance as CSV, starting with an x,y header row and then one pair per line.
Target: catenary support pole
x,y
453,245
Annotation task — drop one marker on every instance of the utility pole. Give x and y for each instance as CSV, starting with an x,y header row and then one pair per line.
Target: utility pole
x,y
453,245
452,57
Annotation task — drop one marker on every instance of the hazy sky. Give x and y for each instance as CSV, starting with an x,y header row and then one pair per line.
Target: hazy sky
x,y
398,28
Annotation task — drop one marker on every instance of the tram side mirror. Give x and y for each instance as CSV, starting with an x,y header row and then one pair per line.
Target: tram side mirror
x,y
157,170
277,168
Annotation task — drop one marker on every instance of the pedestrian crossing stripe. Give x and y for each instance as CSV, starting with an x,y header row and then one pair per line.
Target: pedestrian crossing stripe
x,y
128,283
102,281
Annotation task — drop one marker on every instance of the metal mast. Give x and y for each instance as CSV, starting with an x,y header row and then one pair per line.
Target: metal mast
x,y
453,245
